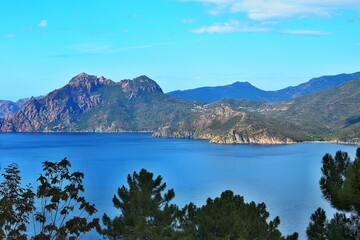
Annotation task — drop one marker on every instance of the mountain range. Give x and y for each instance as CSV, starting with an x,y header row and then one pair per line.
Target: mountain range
x,y
244,90
329,115
96,104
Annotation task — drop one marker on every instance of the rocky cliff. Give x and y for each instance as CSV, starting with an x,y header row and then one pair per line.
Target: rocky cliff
x,y
92,104
225,125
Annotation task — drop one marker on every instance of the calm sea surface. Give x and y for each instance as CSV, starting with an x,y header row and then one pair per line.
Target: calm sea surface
x,y
285,177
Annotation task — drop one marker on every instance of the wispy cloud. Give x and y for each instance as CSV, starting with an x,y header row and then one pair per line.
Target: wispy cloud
x,y
279,9
96,48
229,27
10,35
43,23
188,21
307,32
86,49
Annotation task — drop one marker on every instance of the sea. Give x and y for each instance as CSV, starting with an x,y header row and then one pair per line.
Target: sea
x,y
284,177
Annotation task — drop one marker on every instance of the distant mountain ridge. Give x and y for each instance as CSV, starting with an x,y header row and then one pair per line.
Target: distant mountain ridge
x,y
9,107
236,90
330,115
244,90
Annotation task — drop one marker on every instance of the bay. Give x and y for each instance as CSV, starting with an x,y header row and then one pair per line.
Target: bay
x,y
285,177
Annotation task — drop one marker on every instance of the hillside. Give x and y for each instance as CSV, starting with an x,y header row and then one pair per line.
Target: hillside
x,y
92,104
329,115
96,104
244,90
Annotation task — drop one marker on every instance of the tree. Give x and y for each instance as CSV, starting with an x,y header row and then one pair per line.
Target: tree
x,y
340,185
16,205
58,198
317,229
145,210
63,214
229,217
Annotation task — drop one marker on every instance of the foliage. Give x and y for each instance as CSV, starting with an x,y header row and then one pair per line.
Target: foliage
x,y
59,196
340,185
61,214
229,217
16,205
145,211
317,227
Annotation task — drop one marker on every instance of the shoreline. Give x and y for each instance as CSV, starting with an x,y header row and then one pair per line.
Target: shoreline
x,y
208,140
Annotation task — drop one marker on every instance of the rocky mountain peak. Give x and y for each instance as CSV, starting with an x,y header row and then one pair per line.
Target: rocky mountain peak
x,y
82,78
89,82
140,85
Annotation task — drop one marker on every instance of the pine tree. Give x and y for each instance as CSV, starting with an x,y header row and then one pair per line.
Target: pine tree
x,y
145,210
340,185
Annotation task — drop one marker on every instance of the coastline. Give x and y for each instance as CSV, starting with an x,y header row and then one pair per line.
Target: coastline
x,y
209,140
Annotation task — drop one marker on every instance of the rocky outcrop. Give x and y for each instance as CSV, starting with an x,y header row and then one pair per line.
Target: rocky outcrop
x,y
259,136
56,111
138,86
224,125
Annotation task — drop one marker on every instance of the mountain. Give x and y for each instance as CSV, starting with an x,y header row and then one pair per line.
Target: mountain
x,y
92,104
312,86
7,108
223,124
21,103
236,90
96,104
329,115
244,90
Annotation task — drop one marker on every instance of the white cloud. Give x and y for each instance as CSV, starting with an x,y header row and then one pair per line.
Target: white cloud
x,y
307,32
279,9
228,27
43,23
10,35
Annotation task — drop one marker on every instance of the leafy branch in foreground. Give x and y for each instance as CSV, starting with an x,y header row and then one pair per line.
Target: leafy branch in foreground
x,y
56,210
16,205
63,212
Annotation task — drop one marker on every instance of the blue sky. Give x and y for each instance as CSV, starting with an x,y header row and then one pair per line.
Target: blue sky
x,y
181,44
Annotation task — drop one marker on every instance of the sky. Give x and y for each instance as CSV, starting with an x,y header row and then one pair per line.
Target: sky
x,y
181,44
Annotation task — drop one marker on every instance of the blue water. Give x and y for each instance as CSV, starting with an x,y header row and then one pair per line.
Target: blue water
x,y
285,177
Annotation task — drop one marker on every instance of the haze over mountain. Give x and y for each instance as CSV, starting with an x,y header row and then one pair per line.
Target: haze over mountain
x,y
244,90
